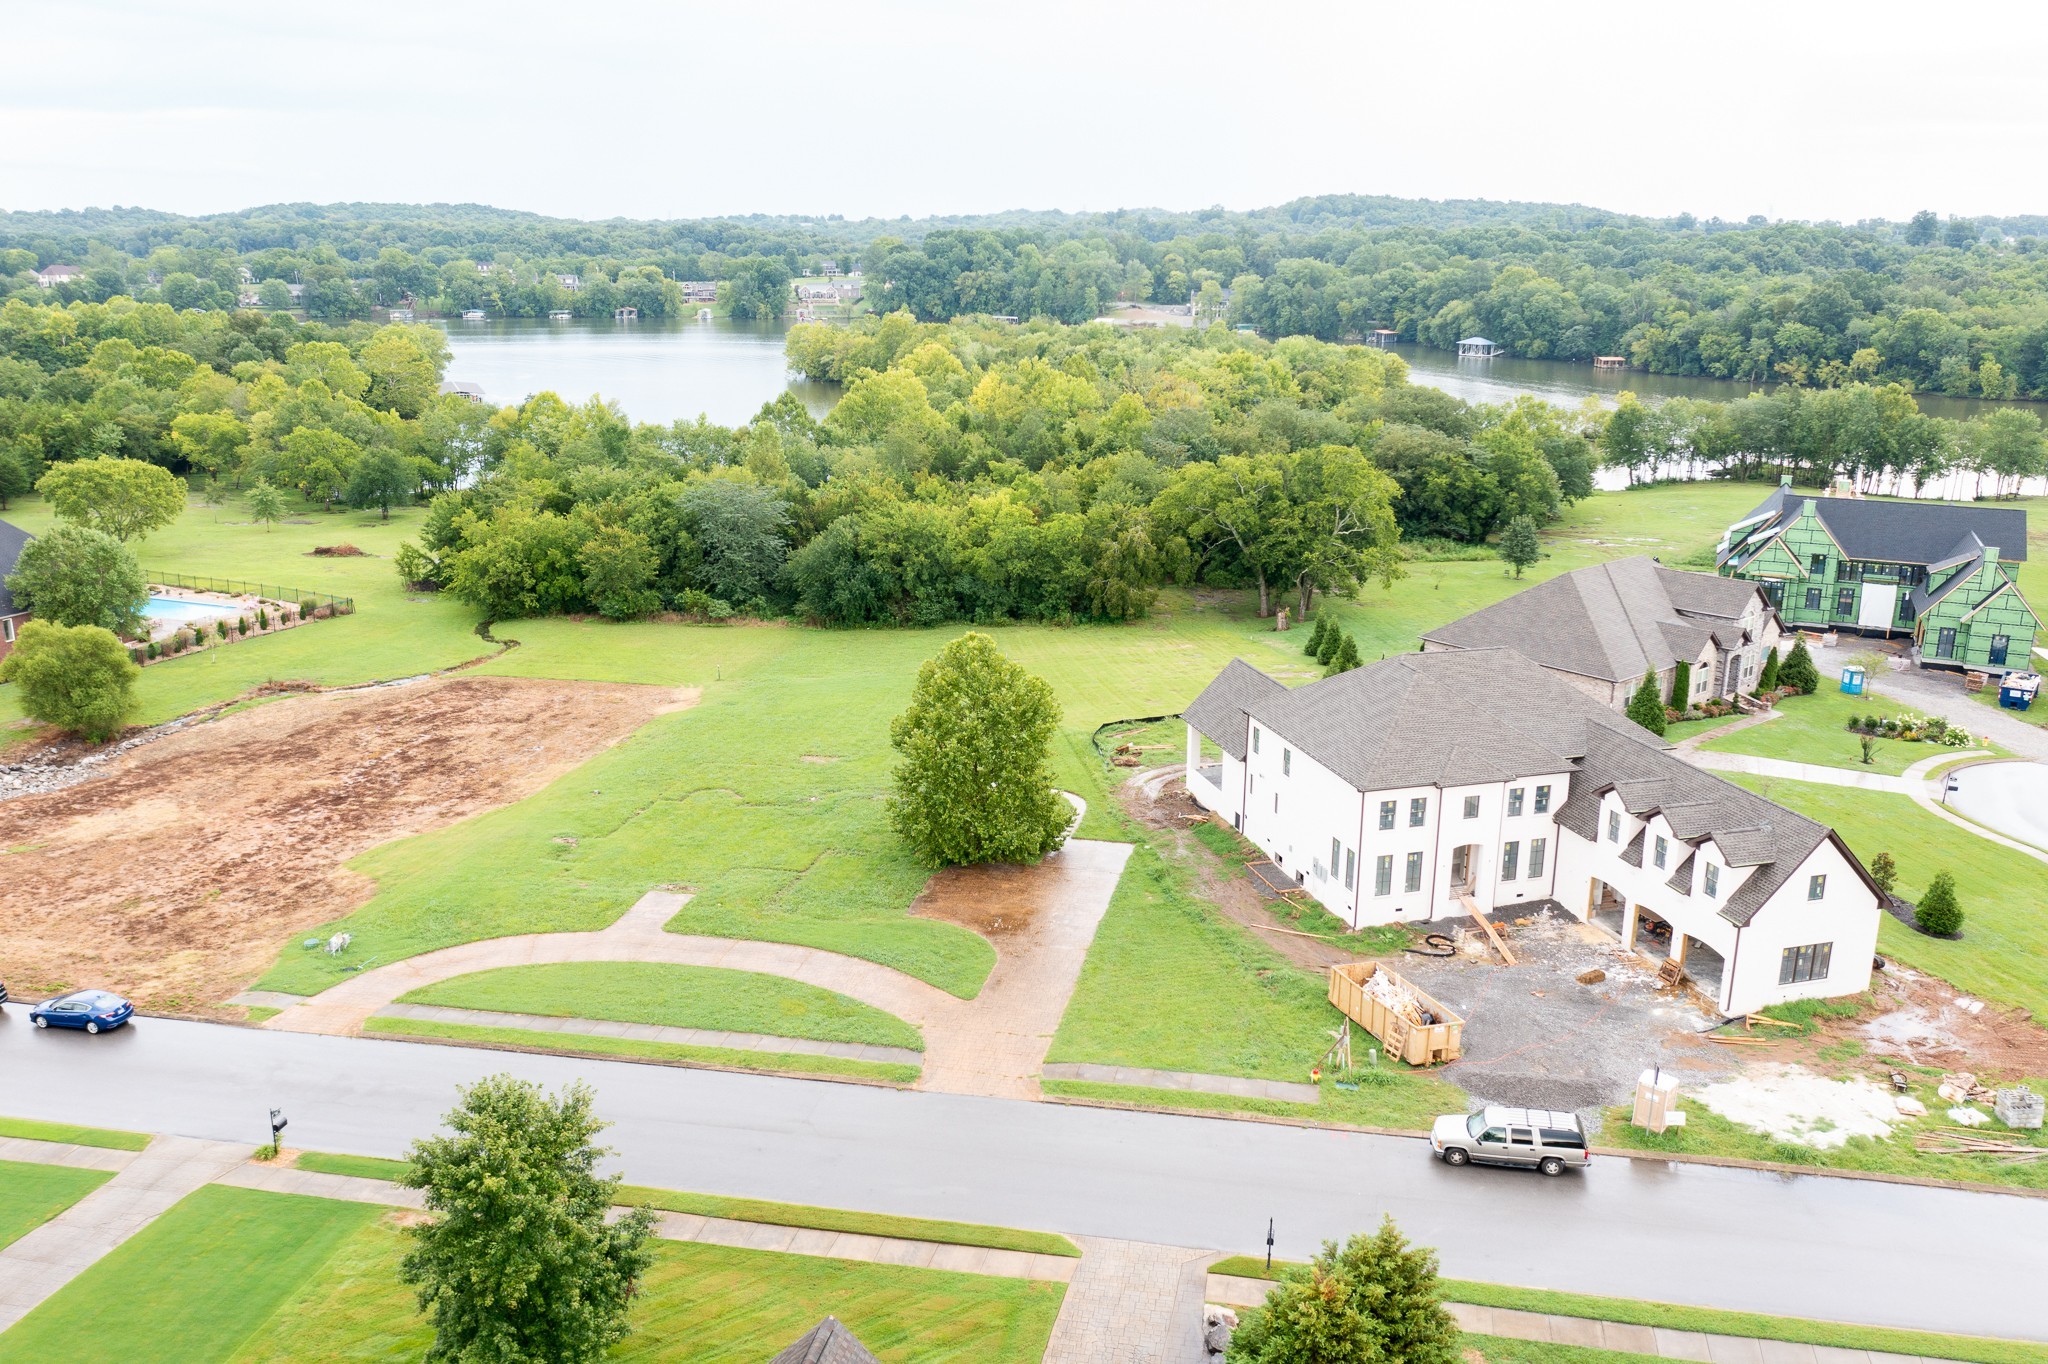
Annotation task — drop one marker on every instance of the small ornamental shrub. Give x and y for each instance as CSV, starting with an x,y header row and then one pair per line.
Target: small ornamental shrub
x,y
1798,671
306,610
220,627
153,650
1347,654
1884,871
1315,635
1326,653
262,619
1939,912
1646,708
1767,680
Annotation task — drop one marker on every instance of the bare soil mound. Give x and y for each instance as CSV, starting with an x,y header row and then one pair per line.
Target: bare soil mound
x,y
173,878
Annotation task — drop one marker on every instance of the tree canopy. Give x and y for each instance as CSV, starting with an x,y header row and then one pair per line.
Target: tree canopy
x,y
74,575
77,677
974,783
126,498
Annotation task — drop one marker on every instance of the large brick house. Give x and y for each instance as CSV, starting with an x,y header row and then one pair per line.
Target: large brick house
x,y
1602,628
1434,785
1943,573
13,615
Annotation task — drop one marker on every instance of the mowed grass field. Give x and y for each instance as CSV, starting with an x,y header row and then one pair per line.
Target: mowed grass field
x,y
1814,729
31,1195
235,1276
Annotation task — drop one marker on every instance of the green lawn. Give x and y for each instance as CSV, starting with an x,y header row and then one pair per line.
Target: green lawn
x,y
72,1134
31,1195
1635,1312
585,1044
390,634
1172,984
194,1285
676,997
2003,953
360,1167
1813,729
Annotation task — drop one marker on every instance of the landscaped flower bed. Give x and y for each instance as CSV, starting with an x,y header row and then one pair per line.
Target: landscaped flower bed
x,y
1909,728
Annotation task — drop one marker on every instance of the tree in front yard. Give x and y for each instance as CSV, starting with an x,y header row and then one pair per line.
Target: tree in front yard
x,y
1346,657
1519,547
1646,707
1375,1301
74,576
382,479
1768,678
126,498
77,677
1797,671
518,1265
1317,634
1939,911
974,784
1884,871
1681,685
266,503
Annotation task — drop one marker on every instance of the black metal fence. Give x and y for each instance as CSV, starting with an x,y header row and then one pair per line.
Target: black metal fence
x,y
237,587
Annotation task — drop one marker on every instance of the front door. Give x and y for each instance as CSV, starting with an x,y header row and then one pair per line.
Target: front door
x,y
1461,867
1999,644
1945,642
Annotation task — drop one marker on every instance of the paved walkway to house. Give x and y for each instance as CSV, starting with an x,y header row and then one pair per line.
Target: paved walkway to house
x,y
992,1045
1814,772
1132,1303
715,1231
44,1260
34,1152
1285,1090
652,1032
1657,1342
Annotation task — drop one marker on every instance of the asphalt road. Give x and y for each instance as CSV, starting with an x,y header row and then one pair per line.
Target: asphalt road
x,y
1814,1247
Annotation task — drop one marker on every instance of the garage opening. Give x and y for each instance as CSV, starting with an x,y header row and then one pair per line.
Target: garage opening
x,y
1705,966
1653,936
1606,908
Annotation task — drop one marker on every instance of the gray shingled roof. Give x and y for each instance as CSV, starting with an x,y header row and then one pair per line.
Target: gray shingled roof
x,y
1749,830
1219,712
13,539
829,1342
1613,621
1901,532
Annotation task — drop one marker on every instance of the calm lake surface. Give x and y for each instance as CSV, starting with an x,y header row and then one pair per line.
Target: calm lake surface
x,y
658,371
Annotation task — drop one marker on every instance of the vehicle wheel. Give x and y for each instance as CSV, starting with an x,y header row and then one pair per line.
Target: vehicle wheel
x,y
42,1022
1455,1157
92,1027
1551,1165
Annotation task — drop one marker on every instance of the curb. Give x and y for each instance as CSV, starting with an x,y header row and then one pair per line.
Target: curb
x,y
1657,1157
478,1044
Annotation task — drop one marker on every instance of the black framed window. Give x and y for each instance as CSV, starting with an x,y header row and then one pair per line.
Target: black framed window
x,y
1418,811
1658,853
1386,814
1383,875
1817,565
1813,599
1711,881
1845,602
1510,858
1797,965
1514,800
1536,850
1471,807
1614,826
1413,882
1542,800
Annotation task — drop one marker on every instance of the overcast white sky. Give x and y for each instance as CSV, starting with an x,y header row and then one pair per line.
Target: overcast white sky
x,y
1793,109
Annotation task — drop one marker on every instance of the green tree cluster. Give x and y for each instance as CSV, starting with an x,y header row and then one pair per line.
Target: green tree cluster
x,y
1376,1300
1798,671
1646,705
76,677
73,575
1940,910
974,783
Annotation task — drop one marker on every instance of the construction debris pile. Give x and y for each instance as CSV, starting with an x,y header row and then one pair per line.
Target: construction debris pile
x,y
1400,997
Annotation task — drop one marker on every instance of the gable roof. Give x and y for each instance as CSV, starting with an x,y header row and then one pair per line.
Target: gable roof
x,y
1613,621
829,1342
1219,712
1895,532
13,539
1748,830
1441,719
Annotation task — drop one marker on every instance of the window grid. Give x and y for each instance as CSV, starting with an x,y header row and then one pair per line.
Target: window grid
x,y
1418,811
1510,857
1514,801
1383,875
1537,847
1414,872
1798,965
1816,887
1387,814
1542,800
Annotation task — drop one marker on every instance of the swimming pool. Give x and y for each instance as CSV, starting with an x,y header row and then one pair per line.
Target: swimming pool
x,y
179,611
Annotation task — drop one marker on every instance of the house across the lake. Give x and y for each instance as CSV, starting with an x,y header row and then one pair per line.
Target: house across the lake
x,y
1478,348
1437,785
1603,628
1944,573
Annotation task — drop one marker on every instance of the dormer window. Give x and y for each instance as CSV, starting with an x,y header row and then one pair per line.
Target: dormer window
x,y
1614,826
1711,882
1658,853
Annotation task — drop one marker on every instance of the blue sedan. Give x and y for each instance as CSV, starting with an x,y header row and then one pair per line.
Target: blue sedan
x,y
93,1010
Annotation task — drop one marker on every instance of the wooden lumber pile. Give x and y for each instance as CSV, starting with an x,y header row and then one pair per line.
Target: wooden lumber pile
x,y
1965,1141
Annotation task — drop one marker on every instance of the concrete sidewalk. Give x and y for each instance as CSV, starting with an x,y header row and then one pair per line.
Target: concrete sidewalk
x,y
1132,1303
653,1032
1655,1342
1814,772
40,1263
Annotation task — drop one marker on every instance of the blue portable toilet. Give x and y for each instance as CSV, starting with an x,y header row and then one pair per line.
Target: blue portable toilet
x,y
2016,691
1852,680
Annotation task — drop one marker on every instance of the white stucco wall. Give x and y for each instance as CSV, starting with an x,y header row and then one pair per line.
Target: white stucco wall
x,y
1846,916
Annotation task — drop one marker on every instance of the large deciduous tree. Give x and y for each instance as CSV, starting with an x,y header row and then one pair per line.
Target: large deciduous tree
x,y
126,498
1519,547
382,479
1375,1301
757,288
740,529
77,677
518,1264
74,575
974,784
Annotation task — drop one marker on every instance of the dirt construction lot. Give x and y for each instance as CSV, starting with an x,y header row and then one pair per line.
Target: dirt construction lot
x,y
175,878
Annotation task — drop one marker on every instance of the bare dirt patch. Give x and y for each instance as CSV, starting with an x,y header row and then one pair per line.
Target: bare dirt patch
x,y
997,900
173,877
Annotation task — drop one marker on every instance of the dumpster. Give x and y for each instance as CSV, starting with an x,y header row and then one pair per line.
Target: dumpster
x,y
1852,680
2016,691
1412,1026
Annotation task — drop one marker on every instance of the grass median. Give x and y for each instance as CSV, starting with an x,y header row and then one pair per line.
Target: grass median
x,y
73,1135
31,1194
632,1048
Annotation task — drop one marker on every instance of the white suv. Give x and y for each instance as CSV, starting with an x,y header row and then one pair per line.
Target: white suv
x,y
1535,1137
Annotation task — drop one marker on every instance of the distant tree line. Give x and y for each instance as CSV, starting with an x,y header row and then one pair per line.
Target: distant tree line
x,y
1957,306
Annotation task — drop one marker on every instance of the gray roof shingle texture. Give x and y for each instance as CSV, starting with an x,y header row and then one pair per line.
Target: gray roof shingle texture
x,y
1613,621
1219,712
1904,532
829,1342
13,539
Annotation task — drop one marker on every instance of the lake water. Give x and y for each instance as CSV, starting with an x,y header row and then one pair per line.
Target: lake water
x,y
658,371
